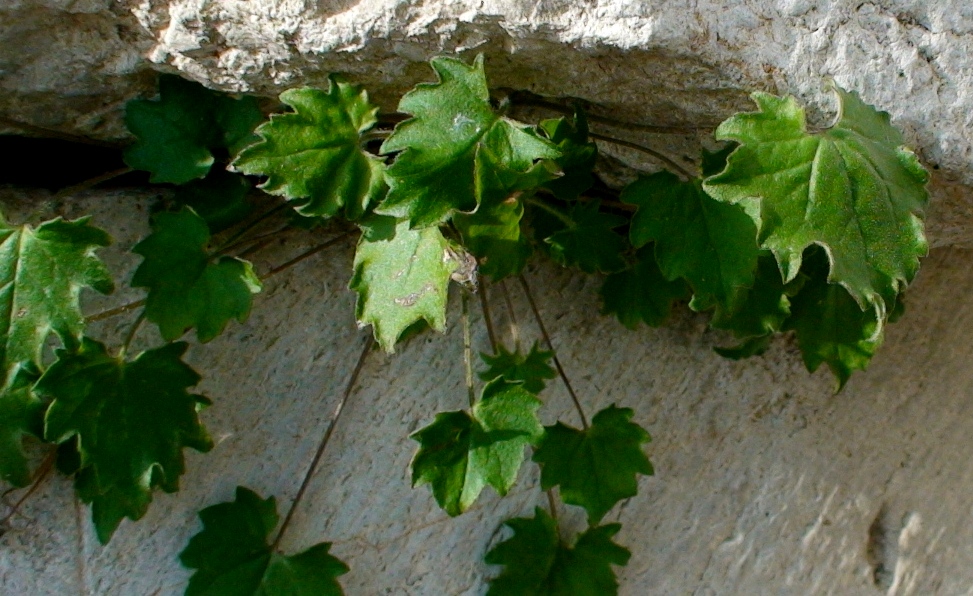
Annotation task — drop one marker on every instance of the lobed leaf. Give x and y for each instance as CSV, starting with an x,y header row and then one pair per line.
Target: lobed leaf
x,y
187,289
642,292
594,468
232,558
131,419
589,241
531,369
578,155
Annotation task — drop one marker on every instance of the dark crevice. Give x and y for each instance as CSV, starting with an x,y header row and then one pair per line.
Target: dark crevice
x,y
55,164
882,549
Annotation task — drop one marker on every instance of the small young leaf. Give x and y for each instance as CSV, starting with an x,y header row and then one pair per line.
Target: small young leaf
x,y
439,169
132,420
578,155
531,369
177,134
460,454
313,155
42,273
220,199
594,468
853,189
232,558
641,292
537,563
712,245
830,326
589,243
402,280
186,289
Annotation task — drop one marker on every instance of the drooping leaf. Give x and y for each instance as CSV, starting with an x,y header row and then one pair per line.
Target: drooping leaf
x,y
830,326
402,280
42,273
461,453
313,155
752,346
132,421
712,245
537,563
642,292
186,287
760,309
853,189
531,369
589,242
220,199
578,155
440,167
231,555
177,134
597,467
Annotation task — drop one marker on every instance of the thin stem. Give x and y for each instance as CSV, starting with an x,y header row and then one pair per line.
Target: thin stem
x,y
552,210
229,248
467,350
42,472
324,439
514,327
551,503
118,310
249,226
648,151
487,318
550,346
91,182
306,254
131,335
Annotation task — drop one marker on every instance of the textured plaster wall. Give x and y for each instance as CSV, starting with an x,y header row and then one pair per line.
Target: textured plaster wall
x,y
765,481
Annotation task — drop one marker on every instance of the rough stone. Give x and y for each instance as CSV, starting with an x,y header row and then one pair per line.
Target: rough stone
x,y
766,482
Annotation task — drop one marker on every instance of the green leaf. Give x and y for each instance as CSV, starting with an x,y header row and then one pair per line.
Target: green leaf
x,y
402,280
232,558
443,146
460,454
830,326
132,420
760,309
537,563
42,273
578,155
853,189
178,133
313,156
642,292
753,346
712,245
531,369
220,199
589,242
597,467
186,287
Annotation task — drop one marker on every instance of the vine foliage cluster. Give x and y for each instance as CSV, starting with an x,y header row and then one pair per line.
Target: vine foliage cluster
x,y
784,230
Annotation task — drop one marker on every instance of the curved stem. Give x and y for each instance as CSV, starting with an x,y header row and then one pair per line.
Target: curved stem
x,y
514,327
130,336
306,254
648,151
552,210
91,182
232,240
111,312
42,472
352,381
487,317
550,346
467,350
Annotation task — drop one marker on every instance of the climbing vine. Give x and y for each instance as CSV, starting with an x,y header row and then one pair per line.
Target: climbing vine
x,y
783,230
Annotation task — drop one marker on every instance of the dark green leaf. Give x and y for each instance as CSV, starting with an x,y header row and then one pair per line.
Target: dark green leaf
x,y
187,289
220,199
232,558
442,164
830,326
42,273
752,346
313,156
132,420
537,563
853,189
578,155
589,242
531,369
402,280
177,134
641,292
598,467
712,245
760,309
460,454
